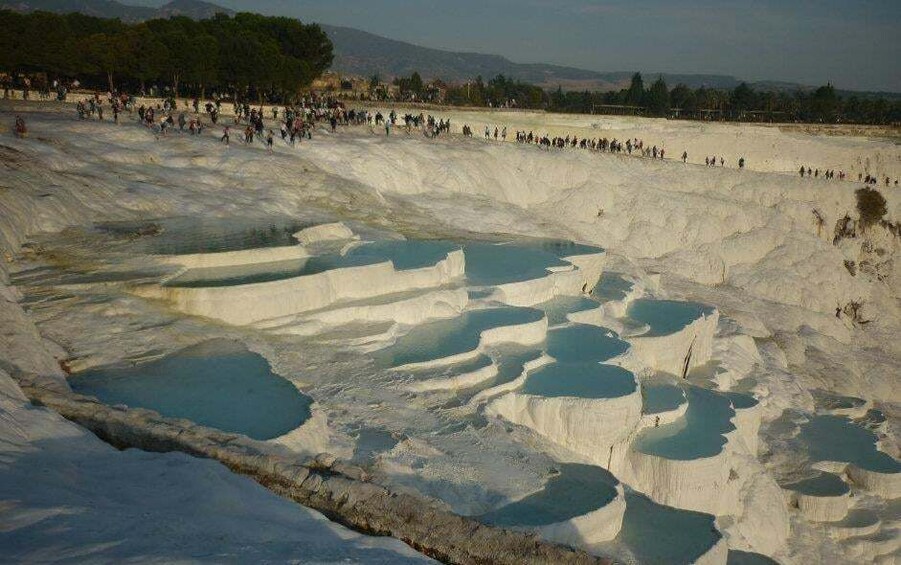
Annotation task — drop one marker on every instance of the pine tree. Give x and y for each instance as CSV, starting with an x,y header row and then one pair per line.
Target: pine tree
x,y
635,95
657,99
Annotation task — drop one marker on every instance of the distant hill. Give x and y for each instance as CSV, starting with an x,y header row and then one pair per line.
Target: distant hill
x,y
196,9
362,53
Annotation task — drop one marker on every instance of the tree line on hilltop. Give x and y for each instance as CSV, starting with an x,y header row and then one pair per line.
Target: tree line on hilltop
x,y
743,103
248,54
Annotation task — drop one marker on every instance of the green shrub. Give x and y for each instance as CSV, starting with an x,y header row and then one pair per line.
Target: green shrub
x,y
871,206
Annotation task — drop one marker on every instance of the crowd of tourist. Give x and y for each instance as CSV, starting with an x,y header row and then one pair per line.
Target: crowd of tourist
x,y
828,174
297,122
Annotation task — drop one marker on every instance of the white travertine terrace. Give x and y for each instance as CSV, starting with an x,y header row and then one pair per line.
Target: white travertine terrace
x,y
456,382
410,308
589,426
526,333
668,353
249,303
336,231
577,279
758,245
821,508
514,384
235,258
886,485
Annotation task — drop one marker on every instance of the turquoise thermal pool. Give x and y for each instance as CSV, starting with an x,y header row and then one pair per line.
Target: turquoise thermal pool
x,y
698,434
180,236
836,438
580,380
653,533
581,342
611,287
665,317
218,383
661,397
576,490
491,264
822,484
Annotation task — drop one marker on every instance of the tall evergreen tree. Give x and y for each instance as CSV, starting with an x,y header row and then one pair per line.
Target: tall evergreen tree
x,y
635,94
657,99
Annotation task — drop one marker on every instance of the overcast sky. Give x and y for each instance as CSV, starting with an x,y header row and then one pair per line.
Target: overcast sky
x,y
854,44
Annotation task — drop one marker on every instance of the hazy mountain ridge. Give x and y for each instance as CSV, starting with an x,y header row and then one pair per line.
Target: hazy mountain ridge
x,y
196,9
363,53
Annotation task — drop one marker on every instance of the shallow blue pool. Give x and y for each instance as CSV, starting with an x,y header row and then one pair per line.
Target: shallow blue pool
x,y
199,234
741,401
836,438
611,287
491,264
576,490
859,518
665,317
821,484
218,383
559,307
698,434
370,443
444,338
659,398
404,254
582,342
580,380
653,533
511,360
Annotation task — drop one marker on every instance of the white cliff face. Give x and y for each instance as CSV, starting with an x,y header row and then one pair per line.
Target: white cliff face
x,y
756,246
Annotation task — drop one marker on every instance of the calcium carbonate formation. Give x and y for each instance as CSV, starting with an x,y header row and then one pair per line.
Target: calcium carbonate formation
x,y
452,339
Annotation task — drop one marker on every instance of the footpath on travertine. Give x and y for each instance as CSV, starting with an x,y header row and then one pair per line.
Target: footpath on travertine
x,y
341,491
